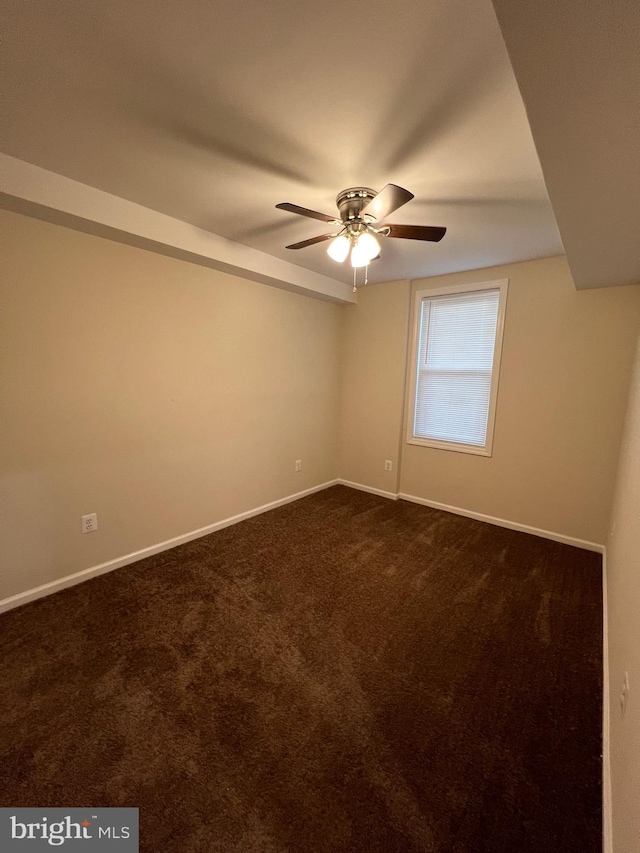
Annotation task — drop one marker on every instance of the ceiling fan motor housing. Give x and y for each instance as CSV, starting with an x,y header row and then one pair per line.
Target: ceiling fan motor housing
x,y
351,201
362,215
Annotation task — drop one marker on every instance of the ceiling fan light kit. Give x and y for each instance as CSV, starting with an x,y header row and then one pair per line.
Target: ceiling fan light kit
x,y
339,248
361,212
365,249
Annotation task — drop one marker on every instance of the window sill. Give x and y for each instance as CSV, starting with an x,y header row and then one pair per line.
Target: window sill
x,y
474,450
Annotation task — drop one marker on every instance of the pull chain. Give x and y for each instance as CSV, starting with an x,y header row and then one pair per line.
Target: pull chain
x,y
366,276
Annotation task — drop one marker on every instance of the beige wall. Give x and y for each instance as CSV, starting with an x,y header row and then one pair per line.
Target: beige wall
x,y
162,395
166,397
623,593
566,364
373,367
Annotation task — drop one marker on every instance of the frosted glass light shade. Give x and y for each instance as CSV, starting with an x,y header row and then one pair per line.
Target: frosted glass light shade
x,y
358,258
368,245
339,248
365,250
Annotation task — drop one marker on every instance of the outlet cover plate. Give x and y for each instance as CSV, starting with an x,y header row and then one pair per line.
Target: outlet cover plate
x,y
89,522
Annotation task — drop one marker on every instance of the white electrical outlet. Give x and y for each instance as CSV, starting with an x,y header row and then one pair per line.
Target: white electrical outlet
x,y
298,464
89,522
624,694
388,465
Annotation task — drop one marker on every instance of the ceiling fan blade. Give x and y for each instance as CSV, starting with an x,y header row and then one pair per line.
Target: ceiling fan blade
x,y
304,211
389,198
417,232
310,242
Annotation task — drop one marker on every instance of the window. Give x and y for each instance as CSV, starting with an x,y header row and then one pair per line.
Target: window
x,y
456,351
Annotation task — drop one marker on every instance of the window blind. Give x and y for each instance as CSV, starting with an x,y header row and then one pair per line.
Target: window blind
x,y
455,361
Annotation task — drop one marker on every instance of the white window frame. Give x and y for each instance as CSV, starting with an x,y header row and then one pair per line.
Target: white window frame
x,y
487,450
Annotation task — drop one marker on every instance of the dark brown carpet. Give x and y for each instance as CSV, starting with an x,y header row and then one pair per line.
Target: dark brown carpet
x,y
344,673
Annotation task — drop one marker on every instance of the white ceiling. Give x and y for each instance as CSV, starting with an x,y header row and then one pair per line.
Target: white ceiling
x,y
578,68
212,112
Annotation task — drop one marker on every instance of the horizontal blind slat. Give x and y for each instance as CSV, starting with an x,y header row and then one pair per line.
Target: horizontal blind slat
x,y
455,359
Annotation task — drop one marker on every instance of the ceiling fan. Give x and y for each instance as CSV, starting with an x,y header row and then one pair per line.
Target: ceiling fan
x,y
362,212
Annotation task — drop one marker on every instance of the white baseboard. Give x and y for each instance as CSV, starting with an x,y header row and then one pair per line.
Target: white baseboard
x,y
479,516
103,568
511,525
607,827
362,488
